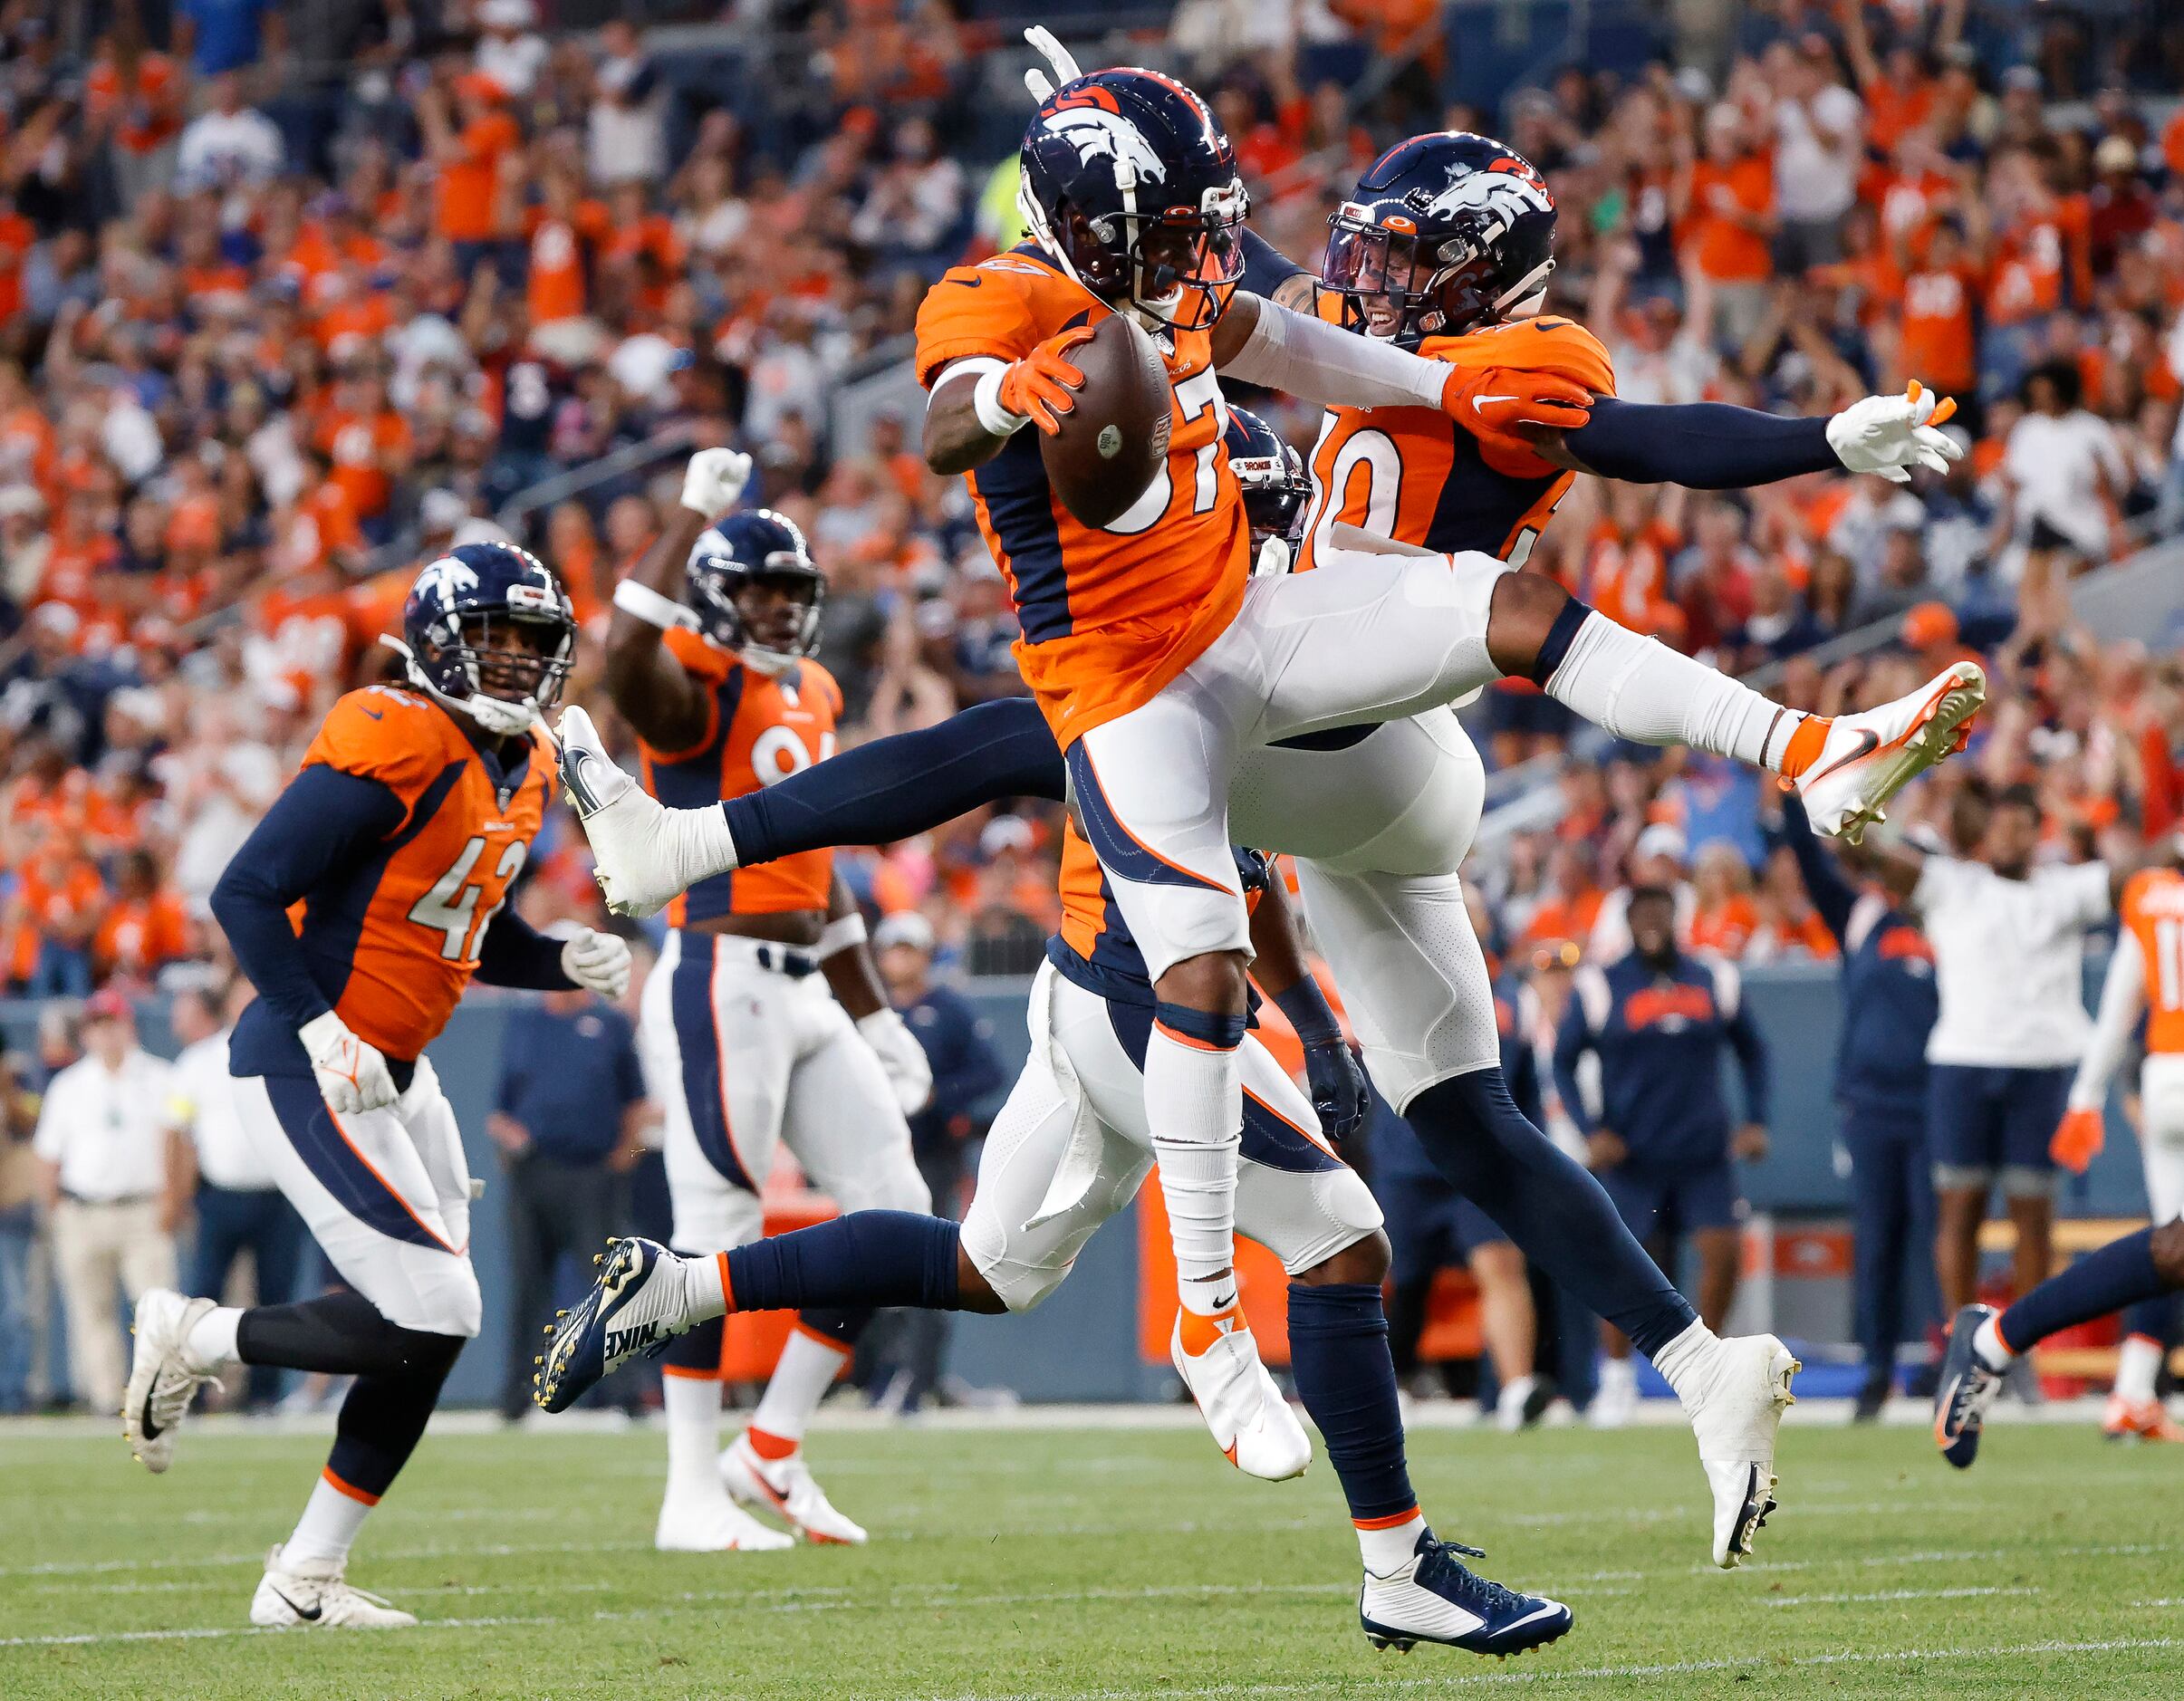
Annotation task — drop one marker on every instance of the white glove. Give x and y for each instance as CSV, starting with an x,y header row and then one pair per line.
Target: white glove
x,y
598,962
353,1076
1889,435
907,1071
713,480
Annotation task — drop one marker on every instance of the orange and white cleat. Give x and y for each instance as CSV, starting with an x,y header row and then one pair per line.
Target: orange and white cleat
x,y
1865,759
1219,1360
785,1487
2127,1420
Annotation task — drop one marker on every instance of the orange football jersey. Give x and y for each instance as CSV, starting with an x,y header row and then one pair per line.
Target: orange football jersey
x,y
759,728
1415,475
2152,913
419,910
1109,614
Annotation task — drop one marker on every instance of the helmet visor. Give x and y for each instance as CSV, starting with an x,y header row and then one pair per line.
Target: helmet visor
x,y
1374,268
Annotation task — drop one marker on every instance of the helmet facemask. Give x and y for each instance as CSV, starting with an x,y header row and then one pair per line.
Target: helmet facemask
x,y
516,664
1392,292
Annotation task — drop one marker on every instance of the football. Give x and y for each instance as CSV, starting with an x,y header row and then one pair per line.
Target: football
x,y
1112,442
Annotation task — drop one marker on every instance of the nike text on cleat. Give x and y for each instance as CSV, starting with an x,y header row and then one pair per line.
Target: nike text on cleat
x,y
2128,1420
314,1592
635,1307
710,1522
1867,758
1966,1388
644,854
1735,1401
786,1489
162,1382
1218,1361
1434,1597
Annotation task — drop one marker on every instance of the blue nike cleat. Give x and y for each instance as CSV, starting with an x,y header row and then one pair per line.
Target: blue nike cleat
x,y
634,1308
1966,1388
1434,1597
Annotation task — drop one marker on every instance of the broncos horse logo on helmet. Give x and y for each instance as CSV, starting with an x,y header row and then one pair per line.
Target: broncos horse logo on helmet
x,y
1131,186
1443,234
756,547
487,630
1274,484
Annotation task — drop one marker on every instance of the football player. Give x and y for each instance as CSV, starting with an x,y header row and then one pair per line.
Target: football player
x,y
361,906
2145,978
1385,814
765,1020
1069,1150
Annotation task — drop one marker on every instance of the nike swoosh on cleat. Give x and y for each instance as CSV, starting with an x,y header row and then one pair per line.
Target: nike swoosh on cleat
x,y
1537,1612
310,1617
573,760
151,1430
1869,742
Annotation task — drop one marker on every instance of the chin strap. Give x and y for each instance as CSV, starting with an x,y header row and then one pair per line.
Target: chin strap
x,y
519,717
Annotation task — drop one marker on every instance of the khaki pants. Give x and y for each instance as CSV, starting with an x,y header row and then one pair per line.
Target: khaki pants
x,y
97,1248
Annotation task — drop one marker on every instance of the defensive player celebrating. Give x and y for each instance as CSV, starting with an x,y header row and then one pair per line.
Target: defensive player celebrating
x,y
1069,1150
396,846
740,1034
2145,977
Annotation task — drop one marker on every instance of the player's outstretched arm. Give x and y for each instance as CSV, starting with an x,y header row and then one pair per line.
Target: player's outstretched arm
x,y
655,693
1331,1071
1712,445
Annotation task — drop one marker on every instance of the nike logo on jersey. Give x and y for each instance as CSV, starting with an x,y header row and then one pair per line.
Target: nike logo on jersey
x,y
377,715
311,1617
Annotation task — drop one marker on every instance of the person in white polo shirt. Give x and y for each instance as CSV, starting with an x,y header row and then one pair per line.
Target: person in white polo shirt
x,y
240,1208
2009,936
112,1189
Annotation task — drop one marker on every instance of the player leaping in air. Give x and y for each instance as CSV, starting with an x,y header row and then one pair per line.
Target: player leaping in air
x,y
395,846
1318,655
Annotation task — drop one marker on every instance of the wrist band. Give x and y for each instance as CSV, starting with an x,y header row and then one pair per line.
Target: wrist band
x,y
985,399
653,609
1309,1013
839,934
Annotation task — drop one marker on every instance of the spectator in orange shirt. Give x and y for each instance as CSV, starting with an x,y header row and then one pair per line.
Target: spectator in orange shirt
x,y
366,443
1940,342
144,926
51,918
1571,896
1726,203
566,232
1725,917
18,236
466,148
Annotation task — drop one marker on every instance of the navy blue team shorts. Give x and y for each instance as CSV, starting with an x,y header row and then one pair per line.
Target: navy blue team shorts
x,y
1989,1123
1429,1224
1675,1198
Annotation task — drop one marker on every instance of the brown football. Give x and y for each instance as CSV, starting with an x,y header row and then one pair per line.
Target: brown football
x,y
1114,439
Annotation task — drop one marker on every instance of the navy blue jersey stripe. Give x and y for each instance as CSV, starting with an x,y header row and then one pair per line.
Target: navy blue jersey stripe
x,y
1268,1139
1120,851
690,1003
339,1167
1019,506
1478,508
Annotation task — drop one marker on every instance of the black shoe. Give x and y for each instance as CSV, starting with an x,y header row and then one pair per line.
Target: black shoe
x,y
1872,1396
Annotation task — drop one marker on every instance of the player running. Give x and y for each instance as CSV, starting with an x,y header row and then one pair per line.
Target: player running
x,y
1069,1150
765,1021
1397,806
395,849
2145,977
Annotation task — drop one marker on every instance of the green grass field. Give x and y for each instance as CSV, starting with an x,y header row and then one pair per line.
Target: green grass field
x,y
1087,1562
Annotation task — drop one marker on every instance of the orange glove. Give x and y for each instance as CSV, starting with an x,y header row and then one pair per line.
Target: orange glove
x,y
1504,399
1044,383
2078,1140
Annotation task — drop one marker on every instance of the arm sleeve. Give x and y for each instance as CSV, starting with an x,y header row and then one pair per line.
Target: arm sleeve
x,y
1573,1040
1265,267
898,787
2122,996
515,954
1325,364
1704,446
1833,896
323,819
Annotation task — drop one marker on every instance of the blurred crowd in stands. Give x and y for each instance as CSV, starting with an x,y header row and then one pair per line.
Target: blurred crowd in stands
x,y
293,295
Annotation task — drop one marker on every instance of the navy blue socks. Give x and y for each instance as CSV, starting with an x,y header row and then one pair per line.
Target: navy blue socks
x,y
1338,1353
2119,1275
866,1259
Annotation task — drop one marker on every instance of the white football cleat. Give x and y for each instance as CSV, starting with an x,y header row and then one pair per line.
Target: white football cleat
x,y
314,1593
644,854
162,1382
1867,758
710,1522
1735,1405
1250,1420
787,1489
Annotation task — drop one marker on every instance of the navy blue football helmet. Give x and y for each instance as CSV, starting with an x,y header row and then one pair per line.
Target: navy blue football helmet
x,y
489,631
1443,234
1271,473
1132,186
756,546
